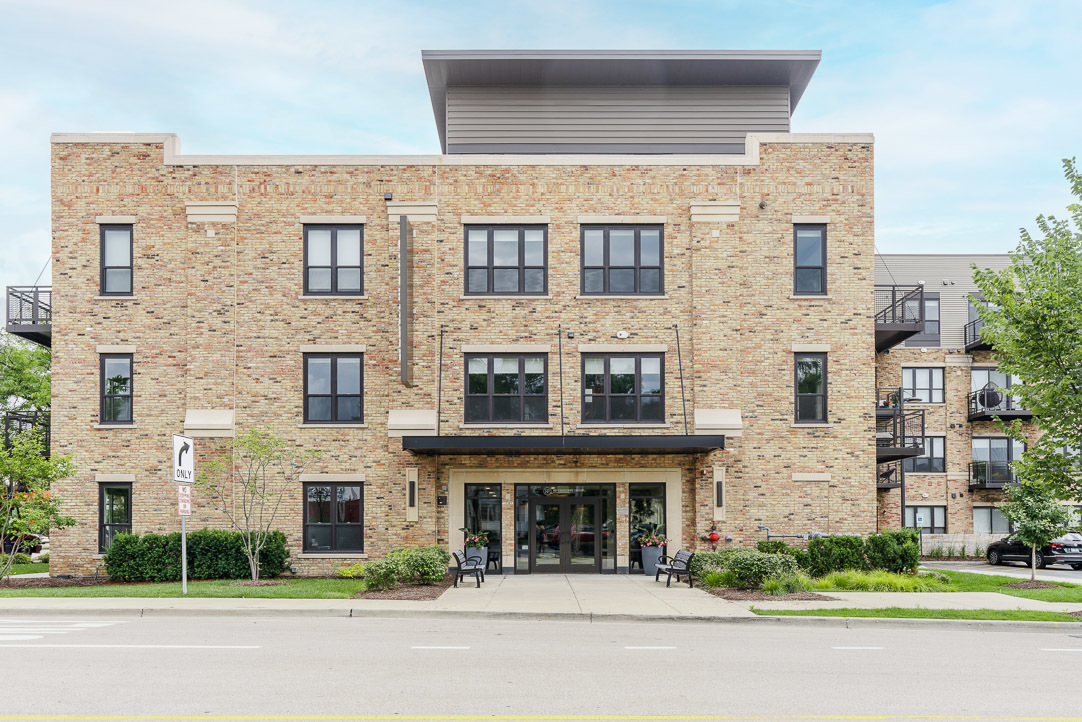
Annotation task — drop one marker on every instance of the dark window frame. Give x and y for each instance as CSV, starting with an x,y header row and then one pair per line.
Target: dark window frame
x,y
333,523
797,395
931,528
991,520
936,464
928,337
103,397
102,268
607,393
468,508
124,528
490,267
333,395
606,265
334,267
908,391
822,227
491,394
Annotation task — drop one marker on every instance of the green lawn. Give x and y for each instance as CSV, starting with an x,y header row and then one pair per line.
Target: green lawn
x,y
28,568
295,589
966,582
1012,615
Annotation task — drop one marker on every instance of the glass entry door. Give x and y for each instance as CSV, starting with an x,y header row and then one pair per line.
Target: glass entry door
x,y
566,535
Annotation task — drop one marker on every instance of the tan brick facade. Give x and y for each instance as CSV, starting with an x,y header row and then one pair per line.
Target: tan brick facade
x,y
218,319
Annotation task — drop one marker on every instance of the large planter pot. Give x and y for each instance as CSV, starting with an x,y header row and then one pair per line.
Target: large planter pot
x,y
478,553
650,557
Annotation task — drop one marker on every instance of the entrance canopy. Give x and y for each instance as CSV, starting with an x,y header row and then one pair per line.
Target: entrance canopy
x,y
594,444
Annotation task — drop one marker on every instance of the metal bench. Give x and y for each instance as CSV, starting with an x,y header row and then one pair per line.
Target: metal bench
x,y
468,567
675,566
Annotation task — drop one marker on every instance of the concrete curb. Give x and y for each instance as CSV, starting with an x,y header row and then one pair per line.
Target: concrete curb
x,y
362,613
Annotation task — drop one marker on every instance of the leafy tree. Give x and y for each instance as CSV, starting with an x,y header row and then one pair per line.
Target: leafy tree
x,y
1033,320
26,504
24,375
248,483
1037,516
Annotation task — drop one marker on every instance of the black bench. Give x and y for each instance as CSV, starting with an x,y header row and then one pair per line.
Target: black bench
x,y
675,566
466,567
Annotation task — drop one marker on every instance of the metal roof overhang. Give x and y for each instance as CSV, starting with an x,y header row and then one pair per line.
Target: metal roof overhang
x,y
594,444
524,68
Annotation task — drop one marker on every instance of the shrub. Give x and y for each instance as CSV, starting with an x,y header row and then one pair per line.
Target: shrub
x,y
706,561
353,571
935,552
895,551
715,577
788,584
22,558
428,565
44,558
750,567
385,573
879,581
777,546
979,551
835,554
212,554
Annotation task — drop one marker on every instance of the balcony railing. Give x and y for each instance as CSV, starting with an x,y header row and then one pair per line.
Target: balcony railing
x,y
19,422
990,474
889,475
988,403
30,313
899,314
971,334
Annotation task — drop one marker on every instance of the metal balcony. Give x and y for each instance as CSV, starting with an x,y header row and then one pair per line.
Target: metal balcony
x,y
899,314
19,422
990,474
988,404
971,334
899,432
889,475
30,313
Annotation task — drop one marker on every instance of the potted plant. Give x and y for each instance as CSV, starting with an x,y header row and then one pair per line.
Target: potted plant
x,y
652,544
476,543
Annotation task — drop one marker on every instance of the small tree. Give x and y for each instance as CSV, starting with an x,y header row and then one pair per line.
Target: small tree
x,y
1037,516
249,482
24,375
27,506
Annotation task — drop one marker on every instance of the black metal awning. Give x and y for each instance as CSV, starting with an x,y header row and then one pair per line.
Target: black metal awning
x,y
593,444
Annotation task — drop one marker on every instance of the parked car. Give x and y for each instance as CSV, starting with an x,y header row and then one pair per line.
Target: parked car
x,y
1066,549
28,543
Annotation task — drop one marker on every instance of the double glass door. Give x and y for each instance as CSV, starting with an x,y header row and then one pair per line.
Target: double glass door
x,y
567,535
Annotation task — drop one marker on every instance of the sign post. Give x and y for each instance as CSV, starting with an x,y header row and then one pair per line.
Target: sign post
x,y
920,532
184,475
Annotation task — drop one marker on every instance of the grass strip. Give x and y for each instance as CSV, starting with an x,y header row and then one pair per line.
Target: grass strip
x,y
222,589
966,582
28,568
1008,615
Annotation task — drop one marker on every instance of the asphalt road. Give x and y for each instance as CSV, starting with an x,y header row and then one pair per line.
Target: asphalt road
x,y
307,667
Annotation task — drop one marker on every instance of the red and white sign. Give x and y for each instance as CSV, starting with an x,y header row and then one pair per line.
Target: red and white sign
x,y
184,500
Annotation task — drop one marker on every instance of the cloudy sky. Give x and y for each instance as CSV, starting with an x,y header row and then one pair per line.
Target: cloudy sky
x,y
973,102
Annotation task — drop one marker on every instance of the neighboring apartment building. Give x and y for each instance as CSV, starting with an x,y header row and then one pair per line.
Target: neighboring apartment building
x,y
948,372
625,296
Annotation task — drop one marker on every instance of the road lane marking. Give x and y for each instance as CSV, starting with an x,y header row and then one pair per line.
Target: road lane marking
x,y
18,637
133,646
419,647
644,647
856,648
1061,649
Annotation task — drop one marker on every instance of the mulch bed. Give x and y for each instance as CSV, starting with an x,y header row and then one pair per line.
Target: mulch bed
x,y
409,592
38,582
260,583
1030,584
1076,614
754,595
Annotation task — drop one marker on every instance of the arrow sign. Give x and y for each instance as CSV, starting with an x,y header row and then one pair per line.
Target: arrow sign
x,y
183,459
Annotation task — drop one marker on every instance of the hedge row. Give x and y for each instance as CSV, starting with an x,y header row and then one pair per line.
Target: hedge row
x,y
212,554
893,551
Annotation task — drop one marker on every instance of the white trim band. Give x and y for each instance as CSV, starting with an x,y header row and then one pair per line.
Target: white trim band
x,y
811,348
506,348
333,219
811,477
354,476
114,477
587,220
496,220
811,219
114,219
115,349
623,348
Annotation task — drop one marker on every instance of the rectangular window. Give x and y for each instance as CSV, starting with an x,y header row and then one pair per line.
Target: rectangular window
x,y
507,389
116,260
334,260
810,260
623,389
116,388
114,513
930,335
646,515
810,388
333,388
483,512
334,517
934,518
990,520
923,385
932,461
992,457
622,261
506,260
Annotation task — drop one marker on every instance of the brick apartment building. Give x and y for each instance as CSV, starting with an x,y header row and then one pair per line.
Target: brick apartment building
x,y
624,295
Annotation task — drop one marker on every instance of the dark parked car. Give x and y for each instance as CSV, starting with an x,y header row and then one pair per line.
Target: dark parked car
x,y
1066,549
28,543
